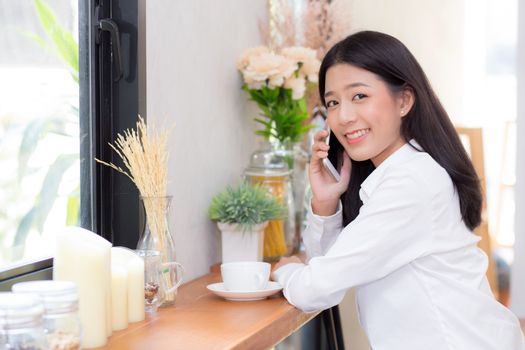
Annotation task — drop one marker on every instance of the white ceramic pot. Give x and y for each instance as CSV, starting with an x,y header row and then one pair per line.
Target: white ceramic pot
x,y
242,245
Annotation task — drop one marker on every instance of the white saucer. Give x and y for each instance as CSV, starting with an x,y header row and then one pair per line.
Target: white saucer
x,y
218,289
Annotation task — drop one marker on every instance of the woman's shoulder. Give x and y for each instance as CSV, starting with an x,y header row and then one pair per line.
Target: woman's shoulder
x,y
425,172
409,171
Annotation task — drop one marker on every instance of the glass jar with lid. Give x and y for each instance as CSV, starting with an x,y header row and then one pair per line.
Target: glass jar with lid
x,y
270,170
21,324
61,321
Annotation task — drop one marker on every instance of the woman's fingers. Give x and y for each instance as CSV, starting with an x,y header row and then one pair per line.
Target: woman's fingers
x,y
321,136
319,147
325,188
322,154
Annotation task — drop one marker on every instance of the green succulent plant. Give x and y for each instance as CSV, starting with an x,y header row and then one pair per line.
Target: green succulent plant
x,y
245,205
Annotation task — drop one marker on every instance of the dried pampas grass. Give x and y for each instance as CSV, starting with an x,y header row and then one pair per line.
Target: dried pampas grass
x,y
326,23
318,24
281,28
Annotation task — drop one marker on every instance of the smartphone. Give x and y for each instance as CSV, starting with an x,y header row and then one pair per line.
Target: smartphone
x,y
328,164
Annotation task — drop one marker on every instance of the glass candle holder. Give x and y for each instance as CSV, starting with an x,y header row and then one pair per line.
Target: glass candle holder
x,y
155,287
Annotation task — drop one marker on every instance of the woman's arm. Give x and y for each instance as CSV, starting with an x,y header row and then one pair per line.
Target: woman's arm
x,y
393,228
325,214
321,232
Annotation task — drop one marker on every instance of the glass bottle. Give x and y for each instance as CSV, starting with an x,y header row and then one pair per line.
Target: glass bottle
x,y
270,169
21,322
61,321
156,236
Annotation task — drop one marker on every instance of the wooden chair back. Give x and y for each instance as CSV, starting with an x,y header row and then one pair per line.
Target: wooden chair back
x,y
472,139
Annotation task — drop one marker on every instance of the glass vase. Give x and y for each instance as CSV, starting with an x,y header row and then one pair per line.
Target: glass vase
x,y
296,158
156,237
269,167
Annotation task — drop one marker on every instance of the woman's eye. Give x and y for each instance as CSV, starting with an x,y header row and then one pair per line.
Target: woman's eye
x,y
358,97
331,103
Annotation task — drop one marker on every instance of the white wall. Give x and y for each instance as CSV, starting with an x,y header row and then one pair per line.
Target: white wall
x,y
191,53
432,30
518,267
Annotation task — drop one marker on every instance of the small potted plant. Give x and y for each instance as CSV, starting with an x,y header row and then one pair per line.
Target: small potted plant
x,y
242,213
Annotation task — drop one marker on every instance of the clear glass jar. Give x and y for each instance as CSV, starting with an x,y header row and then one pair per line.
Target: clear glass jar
x,y
156,236
61,321
270,169
21,325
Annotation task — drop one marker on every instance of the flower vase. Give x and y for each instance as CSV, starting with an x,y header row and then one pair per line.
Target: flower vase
x,y
272,166
297,160
156,237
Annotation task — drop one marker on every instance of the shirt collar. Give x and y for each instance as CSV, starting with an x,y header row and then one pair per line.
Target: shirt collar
x,y
404,153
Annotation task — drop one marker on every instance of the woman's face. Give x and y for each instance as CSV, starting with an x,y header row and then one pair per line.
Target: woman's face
x,y
363,113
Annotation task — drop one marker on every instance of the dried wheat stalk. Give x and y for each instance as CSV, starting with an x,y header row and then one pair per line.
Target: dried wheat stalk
x,y
145,157
144,154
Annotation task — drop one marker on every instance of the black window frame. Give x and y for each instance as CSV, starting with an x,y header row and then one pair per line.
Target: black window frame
x,y
111,206
108,105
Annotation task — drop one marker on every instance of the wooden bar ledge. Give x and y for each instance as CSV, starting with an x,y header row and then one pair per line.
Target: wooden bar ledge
x,y
202,320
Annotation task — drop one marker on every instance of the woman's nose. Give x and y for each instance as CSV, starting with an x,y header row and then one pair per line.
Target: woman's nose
x,y
346,114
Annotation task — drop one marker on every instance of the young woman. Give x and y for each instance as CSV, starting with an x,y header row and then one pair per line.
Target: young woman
x,y
398,225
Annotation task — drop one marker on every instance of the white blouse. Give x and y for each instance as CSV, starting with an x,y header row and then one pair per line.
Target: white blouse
x,y
419,274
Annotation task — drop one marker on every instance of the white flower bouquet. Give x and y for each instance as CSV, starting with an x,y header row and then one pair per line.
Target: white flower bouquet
x,y
277,83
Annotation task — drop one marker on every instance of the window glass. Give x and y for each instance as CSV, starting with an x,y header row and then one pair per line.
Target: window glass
x,y
39,126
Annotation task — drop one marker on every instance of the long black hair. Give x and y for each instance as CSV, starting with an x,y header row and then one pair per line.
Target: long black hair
x,y
427,121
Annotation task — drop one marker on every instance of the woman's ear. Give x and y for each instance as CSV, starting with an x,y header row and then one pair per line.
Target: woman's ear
x,y
407,99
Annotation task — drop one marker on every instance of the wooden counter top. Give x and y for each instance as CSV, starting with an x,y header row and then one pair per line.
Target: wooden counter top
x,y
202,320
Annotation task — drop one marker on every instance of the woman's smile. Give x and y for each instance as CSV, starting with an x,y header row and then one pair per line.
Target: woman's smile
x,y
357,135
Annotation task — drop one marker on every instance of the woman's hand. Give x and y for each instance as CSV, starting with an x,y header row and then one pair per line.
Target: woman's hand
x,y
326,191
285,261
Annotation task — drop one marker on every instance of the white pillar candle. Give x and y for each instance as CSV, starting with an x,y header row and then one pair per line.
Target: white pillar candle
x,y
119,297
109,326
134,265
84,257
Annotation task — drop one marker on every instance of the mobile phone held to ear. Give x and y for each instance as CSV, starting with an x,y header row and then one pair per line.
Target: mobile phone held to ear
x,y
328,164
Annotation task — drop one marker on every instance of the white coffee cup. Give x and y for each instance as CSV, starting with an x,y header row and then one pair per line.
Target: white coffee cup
x,y
245,276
